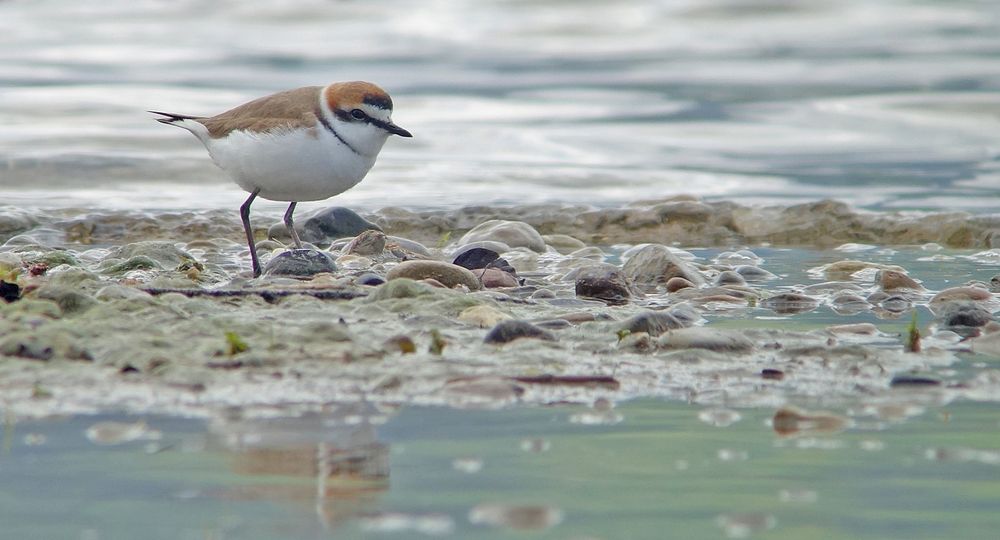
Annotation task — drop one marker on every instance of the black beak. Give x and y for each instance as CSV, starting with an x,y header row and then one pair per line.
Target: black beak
x,y
396,130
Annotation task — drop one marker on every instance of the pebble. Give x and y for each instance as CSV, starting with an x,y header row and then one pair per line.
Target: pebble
x,y
913,381
513,233
754,273
847,267
369,278
166,254
605,282
507,331
369,243
963,314
730,277
974,294
483,316
450,275
476,258
326,225
408,247
655,264
706,338
675,284
891,280
300,263
653,323
70,301
790,303
495,278
563,243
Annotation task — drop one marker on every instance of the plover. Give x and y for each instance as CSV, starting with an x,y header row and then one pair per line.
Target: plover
x,y
305,144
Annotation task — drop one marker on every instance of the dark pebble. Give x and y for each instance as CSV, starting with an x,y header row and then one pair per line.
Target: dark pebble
x,y
9,292
300,263
476,258
772,374
332,223
964,314
604,282
369,278
903,381
508,331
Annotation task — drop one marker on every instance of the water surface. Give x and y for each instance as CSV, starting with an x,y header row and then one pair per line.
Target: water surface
x,y
888,104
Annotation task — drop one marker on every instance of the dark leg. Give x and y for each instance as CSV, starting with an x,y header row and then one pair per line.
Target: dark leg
x,y
245,215
291,226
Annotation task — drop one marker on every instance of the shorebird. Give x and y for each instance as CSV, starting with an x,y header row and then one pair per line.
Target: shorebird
x,y
305,144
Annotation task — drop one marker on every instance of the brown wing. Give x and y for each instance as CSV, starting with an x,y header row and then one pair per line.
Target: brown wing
x,y
285,110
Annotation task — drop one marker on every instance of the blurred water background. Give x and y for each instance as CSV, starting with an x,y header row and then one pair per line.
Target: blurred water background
x,y
890,104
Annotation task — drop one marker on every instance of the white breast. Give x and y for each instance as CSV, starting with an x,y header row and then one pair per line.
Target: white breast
x,y
293,165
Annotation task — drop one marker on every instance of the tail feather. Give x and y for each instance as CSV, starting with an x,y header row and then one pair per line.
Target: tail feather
x,y
172,118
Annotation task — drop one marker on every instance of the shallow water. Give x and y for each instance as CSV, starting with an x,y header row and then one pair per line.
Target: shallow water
x,y
881,104
431,472
884,105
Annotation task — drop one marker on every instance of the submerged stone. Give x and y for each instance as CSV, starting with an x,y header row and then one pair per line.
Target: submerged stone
x,y
788,303
963,314
653,323
510,330
166,254
706,338
482,316
974,294
891,280
300,263
655,264
328,224
604,282
513,233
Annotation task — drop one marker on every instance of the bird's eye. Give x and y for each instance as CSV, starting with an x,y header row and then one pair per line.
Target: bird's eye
x,y
358,114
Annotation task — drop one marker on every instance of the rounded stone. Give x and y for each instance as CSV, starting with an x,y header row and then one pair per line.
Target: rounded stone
x,y
513,233
331,223
604,282
509,330
495,278
790,303
369,278
482,316
754,273
705,338
300,263
729,277
448,274
563,243
653,323
675,284
974,294
655,264
891,280
166,254
476,258
964,314
368,243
